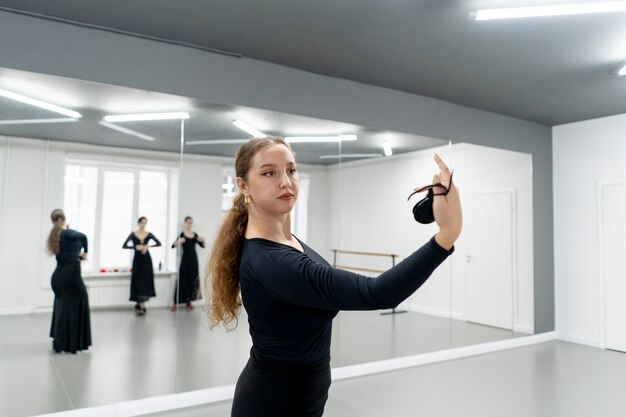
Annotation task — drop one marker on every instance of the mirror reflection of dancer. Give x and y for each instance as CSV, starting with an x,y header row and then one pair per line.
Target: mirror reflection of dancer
x,y
188,282
71,326
142,275
291,294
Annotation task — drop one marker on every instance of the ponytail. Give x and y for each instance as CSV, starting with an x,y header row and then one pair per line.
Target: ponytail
x,y
53,245
222,274
221,289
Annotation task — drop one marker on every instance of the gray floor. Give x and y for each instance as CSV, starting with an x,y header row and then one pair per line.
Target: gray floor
x,y
164,353
552,379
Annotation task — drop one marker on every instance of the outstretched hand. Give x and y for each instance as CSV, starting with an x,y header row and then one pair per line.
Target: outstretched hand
x,y
447,208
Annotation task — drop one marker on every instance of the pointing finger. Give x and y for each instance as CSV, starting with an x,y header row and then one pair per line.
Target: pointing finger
x,y
442,166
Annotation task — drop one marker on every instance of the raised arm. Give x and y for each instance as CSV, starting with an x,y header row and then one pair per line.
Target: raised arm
x,y
129,239
447,208
199,240
176,242
84,242
156,241
295,278
76,235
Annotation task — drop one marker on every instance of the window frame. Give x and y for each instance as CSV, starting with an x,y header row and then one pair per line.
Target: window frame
x,y
172,207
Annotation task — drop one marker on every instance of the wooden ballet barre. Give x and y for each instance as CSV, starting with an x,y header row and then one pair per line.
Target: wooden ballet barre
x,y
359,268
351,252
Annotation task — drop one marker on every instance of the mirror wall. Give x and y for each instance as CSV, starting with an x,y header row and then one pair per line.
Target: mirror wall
x,y
352,199
484,292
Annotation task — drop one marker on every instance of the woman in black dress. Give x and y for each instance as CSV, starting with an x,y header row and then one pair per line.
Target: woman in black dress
x,y
71,326
188,276
142,275
291,294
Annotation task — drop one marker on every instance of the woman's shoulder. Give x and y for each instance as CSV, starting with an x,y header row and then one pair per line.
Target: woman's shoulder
x,y
261,249
267,253
72,233
260,243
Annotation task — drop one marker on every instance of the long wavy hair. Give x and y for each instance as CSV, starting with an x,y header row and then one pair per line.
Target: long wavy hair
x,y
53,245
222,273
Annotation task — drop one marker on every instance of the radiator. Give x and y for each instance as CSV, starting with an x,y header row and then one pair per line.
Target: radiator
x,y
105,293
108,293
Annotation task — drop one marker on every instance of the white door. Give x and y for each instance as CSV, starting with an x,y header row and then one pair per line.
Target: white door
x,y
614,263
488,230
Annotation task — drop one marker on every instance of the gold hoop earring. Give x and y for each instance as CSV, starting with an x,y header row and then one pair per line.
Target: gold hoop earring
x,y
246,199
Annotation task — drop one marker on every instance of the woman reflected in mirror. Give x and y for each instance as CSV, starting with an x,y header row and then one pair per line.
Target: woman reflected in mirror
x,y
188,283
291,294
71,325
142,274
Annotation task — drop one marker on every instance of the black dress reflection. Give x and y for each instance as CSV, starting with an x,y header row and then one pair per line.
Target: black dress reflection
x,y
142,275
188,274
71,326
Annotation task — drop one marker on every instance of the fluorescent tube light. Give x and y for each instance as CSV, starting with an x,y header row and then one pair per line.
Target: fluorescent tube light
x,y
621,70
351,155
216,142
249,129
554,10
144,117
387,148
126,131
40,104
37,121
320,139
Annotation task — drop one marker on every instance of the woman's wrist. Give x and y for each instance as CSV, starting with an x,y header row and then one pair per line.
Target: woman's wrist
x,y
445,239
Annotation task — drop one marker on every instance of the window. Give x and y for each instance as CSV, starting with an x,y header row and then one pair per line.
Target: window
x,y
79,202
153,205
104,202
299,214
229,189
116,218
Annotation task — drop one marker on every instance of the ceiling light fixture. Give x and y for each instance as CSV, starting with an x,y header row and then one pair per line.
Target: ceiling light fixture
x,y
621,70
351,155
320,139
37,121
40,104
145,117
217,142
126,131
553,10
387,148
249,129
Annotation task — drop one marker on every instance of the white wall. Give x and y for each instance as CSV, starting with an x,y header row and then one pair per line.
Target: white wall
x,y
26,195
318,209
371,214
585,155
200,197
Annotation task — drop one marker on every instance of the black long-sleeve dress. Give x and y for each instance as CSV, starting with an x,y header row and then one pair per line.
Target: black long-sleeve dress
x,y
291,298
142,275
188,274
71,325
